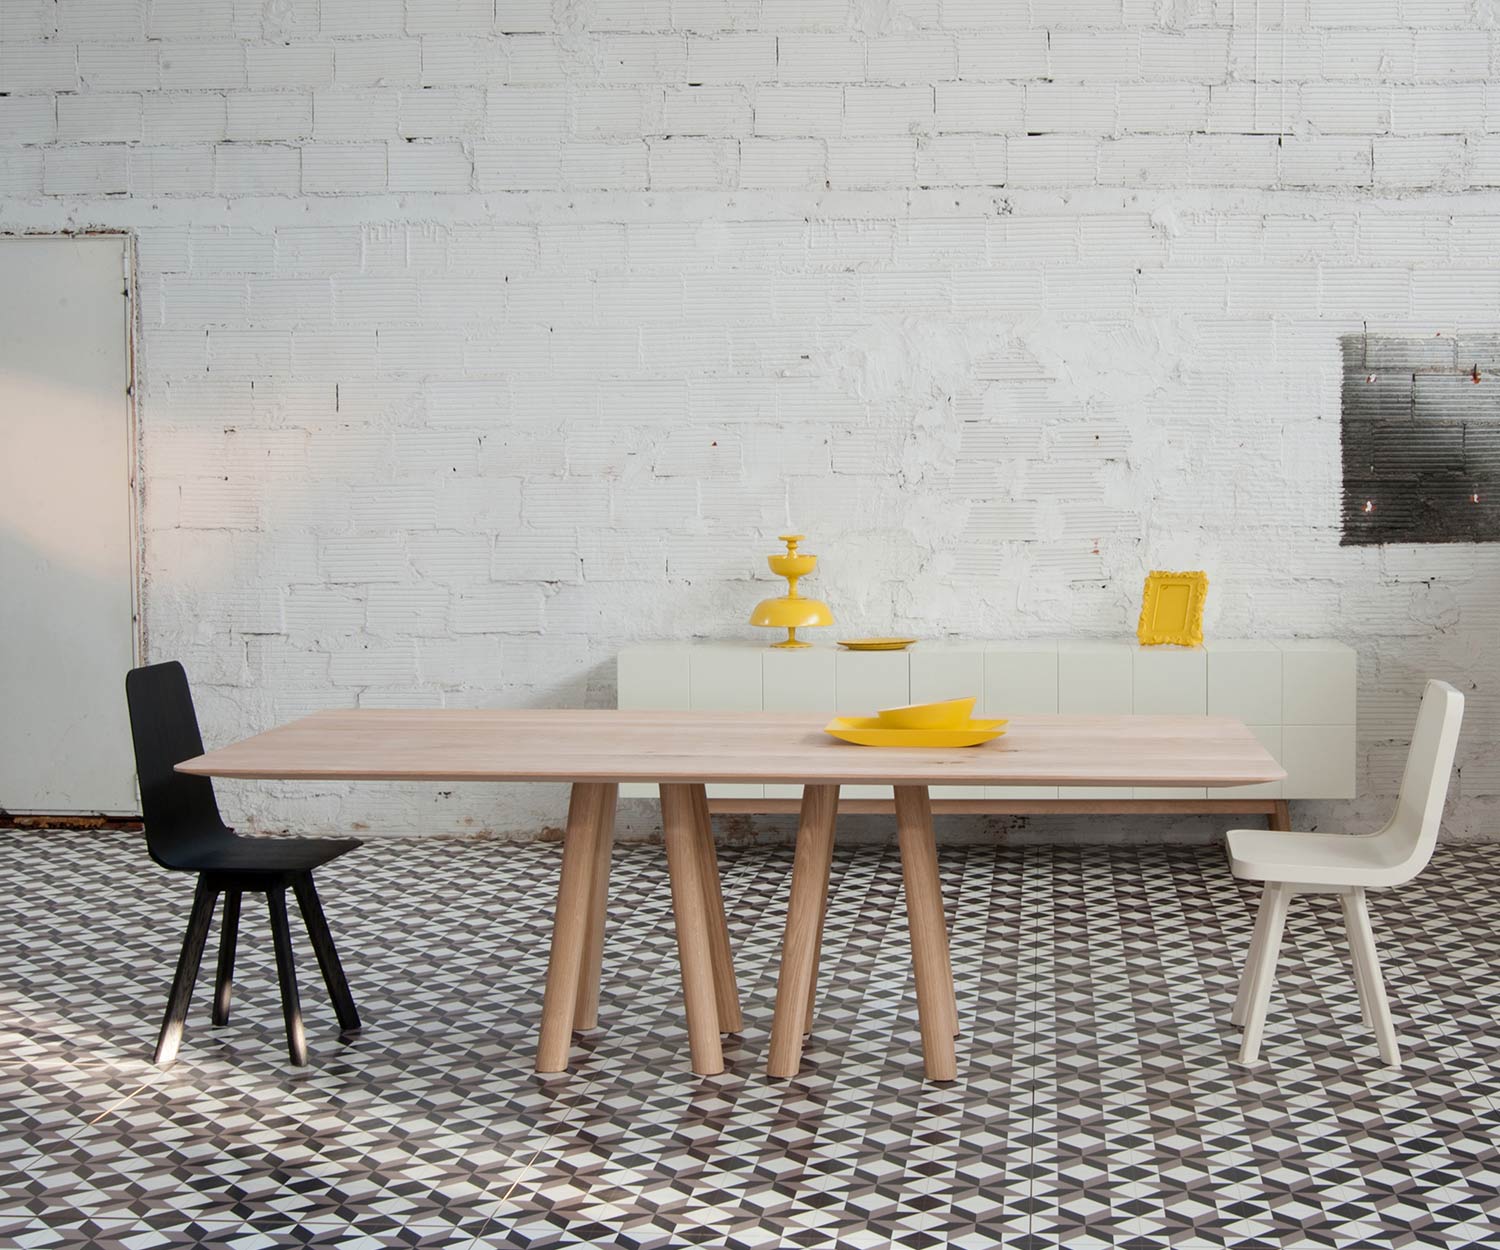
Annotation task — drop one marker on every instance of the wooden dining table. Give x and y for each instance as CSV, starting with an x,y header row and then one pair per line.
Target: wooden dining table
x,y
682,752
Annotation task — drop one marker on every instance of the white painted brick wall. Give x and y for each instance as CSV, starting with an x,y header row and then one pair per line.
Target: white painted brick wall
x,y
478,337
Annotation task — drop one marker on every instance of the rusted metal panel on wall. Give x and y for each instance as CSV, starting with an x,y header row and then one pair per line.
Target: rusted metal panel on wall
x,y
1421,438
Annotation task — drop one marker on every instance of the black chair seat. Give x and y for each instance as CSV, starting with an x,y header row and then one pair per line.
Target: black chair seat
x,y
184,832
268,856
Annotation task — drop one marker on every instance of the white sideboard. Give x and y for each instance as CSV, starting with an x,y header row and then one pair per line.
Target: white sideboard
x,y
1297,695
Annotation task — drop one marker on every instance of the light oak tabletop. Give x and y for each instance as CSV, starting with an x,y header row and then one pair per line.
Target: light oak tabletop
x,y
606,745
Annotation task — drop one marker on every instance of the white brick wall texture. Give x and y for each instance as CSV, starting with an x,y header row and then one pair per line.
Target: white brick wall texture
x,y
479,337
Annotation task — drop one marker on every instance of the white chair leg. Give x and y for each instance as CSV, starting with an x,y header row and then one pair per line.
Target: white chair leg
x,y
1362,941
1274,903
1361,973
1247,977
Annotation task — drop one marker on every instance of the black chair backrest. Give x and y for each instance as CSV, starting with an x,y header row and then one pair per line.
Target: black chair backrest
x,y
180,812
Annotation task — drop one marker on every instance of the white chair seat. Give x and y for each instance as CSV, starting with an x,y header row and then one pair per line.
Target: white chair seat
x,y
1337,860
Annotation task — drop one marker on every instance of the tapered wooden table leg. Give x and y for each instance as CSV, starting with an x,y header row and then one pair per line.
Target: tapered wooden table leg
x,y
726,989
679,820
586,1009
570,923
817,962
804,923
929,934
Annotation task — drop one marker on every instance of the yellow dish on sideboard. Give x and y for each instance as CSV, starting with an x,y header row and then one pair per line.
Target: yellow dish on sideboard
x,y
867,731
946,714
875,644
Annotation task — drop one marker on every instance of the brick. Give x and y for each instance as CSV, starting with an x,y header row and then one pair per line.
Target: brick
x,y
460,61
431,167
1078,56
101,118
984,108
887,110
256,169
1185,56
640,58
819,59
450,17
363,560
1162,107
871,162
732,58
497,609
371,665
1431,161
517,167
353,116
459,661
783,164
1014,55
605,166
1069,109
804,14
85,171
1453,108
190,19
101,19
537,558
289,65
194,118
28,119
1451,55
268,115
343,168
376,62
693,164
439,113
1051,160
361,20
961,160
38,66
208,67
706,111
784,112
119,67
911,58
1355,54
1356,108
1327,162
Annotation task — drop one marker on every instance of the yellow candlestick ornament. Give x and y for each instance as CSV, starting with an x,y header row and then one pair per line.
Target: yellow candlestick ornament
x,y
791,611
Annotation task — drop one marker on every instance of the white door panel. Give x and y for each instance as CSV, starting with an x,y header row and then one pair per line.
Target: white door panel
x,y
67,633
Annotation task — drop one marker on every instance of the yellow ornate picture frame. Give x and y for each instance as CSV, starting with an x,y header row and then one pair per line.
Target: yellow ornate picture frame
x,y
1172,609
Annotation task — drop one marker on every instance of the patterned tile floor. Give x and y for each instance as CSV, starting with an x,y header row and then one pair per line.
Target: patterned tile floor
x,y
1097,1103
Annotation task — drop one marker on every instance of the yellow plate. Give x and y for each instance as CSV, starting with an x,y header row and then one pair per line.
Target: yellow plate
x,y
865,731
876,644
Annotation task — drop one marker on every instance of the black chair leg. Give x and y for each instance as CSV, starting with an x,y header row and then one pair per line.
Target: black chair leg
x,y
286,973
229,928
170,1040
328,957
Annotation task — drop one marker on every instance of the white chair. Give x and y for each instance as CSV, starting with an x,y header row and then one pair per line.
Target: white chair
x,y
1348,865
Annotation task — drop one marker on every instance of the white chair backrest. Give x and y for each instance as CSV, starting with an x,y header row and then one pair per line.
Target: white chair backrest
x,y
1413,830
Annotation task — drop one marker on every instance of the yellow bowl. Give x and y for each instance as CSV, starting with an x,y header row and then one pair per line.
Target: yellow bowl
x,y
944,715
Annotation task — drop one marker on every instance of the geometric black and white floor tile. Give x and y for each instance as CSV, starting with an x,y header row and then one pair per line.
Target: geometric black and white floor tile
x,y
1098,1103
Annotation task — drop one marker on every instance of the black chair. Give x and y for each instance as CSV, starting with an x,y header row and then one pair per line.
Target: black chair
x,y
185,833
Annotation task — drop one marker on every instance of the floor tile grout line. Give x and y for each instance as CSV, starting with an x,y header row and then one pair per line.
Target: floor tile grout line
x,y
116,1105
